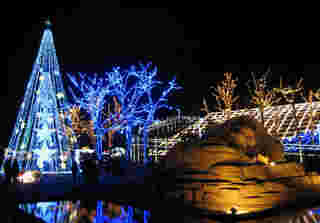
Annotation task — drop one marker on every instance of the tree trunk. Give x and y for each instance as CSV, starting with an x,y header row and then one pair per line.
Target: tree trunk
x,y
130,214
146,215
312,125
145,145
297,131
129,142
99,214
262,115
99,146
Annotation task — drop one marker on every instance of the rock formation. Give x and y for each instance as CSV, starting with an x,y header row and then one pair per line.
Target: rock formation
x,y
232,169
233,141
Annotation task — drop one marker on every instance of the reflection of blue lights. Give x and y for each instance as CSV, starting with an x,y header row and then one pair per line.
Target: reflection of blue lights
x,y
317,211
67,212
43,210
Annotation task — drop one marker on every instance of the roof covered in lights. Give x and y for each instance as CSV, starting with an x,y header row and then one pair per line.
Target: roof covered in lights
x,y
279,120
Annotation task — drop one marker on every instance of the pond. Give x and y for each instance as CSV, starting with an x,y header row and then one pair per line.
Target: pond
x,y
85,211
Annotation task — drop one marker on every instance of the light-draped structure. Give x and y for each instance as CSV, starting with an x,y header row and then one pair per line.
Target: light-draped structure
x,y
38,138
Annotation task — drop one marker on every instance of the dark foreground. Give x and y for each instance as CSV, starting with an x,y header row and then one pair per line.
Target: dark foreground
x,y
139,190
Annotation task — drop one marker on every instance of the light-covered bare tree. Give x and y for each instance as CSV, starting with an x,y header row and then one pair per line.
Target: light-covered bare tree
x,y
74,113
224,94
260,95
312,116
276,124
205,107
290,94
317,94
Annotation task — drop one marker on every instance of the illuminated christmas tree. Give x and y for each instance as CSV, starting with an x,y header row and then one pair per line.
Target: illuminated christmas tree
x,y
38,139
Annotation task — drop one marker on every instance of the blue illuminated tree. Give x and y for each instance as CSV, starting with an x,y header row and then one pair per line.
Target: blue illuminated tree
x,y
147,82
91,96
152,107
133,91
39,130
137,101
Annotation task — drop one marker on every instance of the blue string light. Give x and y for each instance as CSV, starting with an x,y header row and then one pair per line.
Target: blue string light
x,y
307,138
38,127
133,90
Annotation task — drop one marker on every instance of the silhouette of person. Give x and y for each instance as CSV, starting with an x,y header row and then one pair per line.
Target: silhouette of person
x,y
7,170
84,140
15,170
85,170
24,163
94,172
83,215
1,156
74,169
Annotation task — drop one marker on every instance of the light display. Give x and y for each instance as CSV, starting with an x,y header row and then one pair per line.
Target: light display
x,y
38,128
137,102
44,154
29,177
261,96
285,128
91,96
133,90
224,94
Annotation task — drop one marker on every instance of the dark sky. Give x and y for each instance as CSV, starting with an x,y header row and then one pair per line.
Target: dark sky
x,y
186,42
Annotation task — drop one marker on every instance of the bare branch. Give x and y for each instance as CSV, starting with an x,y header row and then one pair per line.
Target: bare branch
x,y
224,94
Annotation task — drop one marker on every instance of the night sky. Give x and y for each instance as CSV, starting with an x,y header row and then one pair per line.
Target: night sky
x,y
95,38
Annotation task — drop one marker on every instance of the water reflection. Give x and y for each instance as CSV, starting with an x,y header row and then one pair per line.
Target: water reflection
x,y
285,216
85,212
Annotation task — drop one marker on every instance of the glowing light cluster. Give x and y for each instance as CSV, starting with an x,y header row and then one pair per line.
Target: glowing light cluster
x,y
195,129
38,128
307,138
284,113
285,131
27,177
132,89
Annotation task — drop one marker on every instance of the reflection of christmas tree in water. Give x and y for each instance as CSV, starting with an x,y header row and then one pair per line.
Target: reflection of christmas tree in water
x,y
39,131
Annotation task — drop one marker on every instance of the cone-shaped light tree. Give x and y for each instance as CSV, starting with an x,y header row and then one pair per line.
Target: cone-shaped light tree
x,y
39,129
